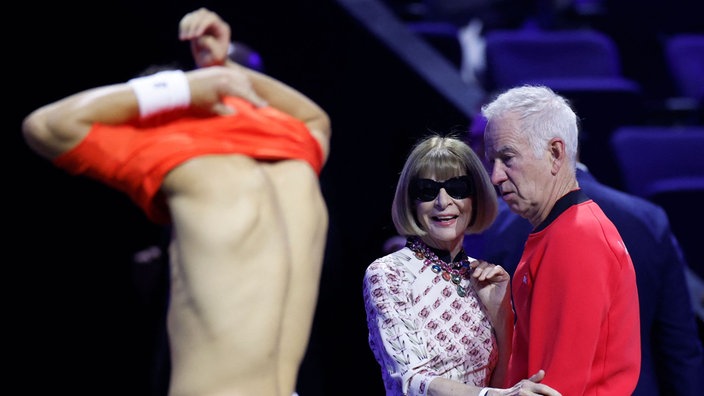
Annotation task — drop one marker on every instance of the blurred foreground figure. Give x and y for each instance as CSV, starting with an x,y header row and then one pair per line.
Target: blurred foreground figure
x,y
228,158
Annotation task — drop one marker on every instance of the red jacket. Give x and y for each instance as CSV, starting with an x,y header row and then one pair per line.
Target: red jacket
x,y
576,305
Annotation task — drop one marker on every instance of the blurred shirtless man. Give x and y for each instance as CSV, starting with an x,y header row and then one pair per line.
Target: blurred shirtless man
x,y
230,159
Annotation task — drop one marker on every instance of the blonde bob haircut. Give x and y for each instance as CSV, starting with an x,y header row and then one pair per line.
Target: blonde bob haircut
x,y
444,157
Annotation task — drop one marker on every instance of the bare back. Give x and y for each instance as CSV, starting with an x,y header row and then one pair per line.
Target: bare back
x,y
246,258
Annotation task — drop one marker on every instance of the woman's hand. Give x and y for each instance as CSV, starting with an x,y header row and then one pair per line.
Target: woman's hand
x,y
491,282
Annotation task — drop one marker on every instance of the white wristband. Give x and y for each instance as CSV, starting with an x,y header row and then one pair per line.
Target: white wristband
x,y
160,92
483,392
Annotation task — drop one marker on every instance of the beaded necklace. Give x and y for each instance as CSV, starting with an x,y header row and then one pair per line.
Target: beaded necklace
x,y
454,272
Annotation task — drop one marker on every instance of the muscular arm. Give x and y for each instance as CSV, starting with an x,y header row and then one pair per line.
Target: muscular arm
x,y
58,127
291,101
209,37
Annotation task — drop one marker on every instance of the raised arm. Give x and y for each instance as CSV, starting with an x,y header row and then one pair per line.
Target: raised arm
x,y
209,37
58,127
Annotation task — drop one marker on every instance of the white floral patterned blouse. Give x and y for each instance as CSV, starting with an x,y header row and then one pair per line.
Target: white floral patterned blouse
x,y
420,328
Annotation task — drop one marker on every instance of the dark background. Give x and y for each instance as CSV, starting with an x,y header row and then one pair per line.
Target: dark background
x,y
83,318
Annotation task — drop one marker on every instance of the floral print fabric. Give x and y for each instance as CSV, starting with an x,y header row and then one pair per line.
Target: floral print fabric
x,y
420,328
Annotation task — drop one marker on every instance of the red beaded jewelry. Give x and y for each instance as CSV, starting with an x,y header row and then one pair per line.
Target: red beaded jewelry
x,y
454,272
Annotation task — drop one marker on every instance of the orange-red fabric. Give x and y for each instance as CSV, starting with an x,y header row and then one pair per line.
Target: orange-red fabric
x,y
136,158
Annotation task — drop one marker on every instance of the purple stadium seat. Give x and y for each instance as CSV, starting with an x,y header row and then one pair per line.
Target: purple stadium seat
x,y
656,158
685,57
522,56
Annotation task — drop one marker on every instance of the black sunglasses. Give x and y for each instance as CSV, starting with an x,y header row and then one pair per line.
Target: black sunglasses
x,y
426,190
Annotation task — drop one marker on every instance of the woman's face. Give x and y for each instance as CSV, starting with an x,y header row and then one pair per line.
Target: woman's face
x,y
443,209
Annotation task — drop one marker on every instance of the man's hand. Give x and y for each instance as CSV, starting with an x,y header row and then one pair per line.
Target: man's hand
x,y
209,36
530,386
